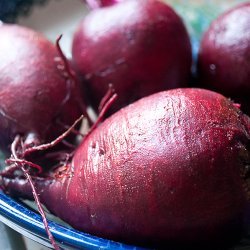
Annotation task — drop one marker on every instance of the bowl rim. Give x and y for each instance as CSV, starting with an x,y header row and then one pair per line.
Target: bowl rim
x,y
29,223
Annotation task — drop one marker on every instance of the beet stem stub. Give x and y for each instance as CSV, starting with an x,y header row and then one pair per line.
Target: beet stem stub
x,y
107,96
96,4
35,194
102,113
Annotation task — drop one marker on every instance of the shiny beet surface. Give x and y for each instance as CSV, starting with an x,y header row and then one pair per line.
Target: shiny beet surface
x,y
169,168
139,46
224,56
37,97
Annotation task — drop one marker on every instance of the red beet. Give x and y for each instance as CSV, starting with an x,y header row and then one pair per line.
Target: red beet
x,y
224,57
140,46
170,168
37,96
101,3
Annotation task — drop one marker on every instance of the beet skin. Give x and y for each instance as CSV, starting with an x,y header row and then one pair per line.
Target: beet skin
x,y
167,169
36,92
138,46
224,56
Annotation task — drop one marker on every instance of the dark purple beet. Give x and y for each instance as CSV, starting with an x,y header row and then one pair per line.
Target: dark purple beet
x,y
139,46
170,168
224,56
36,92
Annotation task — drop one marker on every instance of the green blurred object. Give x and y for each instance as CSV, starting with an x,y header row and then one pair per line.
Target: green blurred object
x,y
198,14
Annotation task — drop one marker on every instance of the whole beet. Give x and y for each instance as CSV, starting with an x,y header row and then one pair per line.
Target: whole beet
x,y
170,168
139,46
37,97
224,56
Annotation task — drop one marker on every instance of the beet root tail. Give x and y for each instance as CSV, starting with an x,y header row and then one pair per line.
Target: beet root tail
x,y
17,187
23,188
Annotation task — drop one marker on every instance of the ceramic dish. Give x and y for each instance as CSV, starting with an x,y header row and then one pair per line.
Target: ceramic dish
x,y
27,222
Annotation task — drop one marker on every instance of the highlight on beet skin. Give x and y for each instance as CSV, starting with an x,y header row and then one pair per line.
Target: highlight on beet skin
x,y
130,178
224,64
39,98
139,46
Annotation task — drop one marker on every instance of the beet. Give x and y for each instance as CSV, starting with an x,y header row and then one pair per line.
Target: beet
x,y
38,98
170,168
138,46
224,56
94,4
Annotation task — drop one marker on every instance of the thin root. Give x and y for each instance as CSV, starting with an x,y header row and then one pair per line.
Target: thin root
x,y
68,144
25,162
107,96
53,143
74,131
35,194
102,113
71,76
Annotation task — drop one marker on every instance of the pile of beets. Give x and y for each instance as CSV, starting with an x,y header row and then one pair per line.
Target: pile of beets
x,y
166,164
